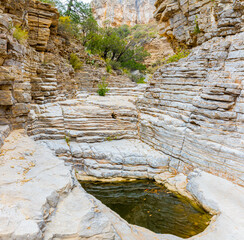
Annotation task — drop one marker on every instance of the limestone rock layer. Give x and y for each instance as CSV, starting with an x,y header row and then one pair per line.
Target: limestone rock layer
x,y
190,23
119,12
193,110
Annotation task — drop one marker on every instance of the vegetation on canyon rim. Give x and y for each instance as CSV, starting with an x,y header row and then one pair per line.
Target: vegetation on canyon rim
x,y
119,47
122,48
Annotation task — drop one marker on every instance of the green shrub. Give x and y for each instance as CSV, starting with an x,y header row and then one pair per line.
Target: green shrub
x,y
140,34
137,78
179,55
102,88
141,80
20,35
133,65
108,68
196,29
75,61
67,140
152,34
67,28
115,65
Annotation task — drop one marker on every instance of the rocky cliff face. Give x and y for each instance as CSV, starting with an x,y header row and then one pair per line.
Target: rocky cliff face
x,y
190,23
33,71
119,12
193,110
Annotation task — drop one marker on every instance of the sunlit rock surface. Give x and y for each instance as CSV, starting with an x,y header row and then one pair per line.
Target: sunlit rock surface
x,y
190,23
193,110
40,199
119,12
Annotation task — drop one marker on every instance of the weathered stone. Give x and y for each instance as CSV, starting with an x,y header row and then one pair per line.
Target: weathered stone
x,y
128,12
22,96
6,98
20,109
193,105
41,200
192,23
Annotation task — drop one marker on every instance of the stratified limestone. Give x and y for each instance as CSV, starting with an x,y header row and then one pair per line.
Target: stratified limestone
x,y
117,12
18,61
42,21
193,110
191,23
40,199
40,18
91,119
111,160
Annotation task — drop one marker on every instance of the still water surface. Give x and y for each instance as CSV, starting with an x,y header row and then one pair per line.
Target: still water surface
x,y
149,205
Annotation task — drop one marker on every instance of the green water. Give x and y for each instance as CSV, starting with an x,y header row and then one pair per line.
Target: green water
x,y
146,204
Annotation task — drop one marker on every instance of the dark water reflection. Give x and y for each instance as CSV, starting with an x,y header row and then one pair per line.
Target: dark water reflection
x,y
146,204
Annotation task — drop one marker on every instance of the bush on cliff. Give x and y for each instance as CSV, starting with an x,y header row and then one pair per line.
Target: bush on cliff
x,y
75,61
20,34
180,53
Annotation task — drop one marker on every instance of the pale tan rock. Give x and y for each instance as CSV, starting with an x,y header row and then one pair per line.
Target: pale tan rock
x,y
130,12
191,23
6,98
159,49
193,110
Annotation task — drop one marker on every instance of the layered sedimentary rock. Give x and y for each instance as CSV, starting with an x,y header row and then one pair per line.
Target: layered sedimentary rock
x,y
26,75
19,62
190,23
41,19
40,199
17,65
119,12
159,49
193,109
89,119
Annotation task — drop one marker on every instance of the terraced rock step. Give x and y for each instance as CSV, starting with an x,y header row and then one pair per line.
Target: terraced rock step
x,y
89,119
112,159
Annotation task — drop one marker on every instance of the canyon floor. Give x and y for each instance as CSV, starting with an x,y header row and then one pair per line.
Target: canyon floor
x,y
42,199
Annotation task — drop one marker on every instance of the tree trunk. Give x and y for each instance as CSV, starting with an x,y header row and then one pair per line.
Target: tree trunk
x,y
70,5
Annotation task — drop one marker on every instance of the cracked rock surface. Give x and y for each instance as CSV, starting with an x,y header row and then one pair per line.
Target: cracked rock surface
x,y
41,199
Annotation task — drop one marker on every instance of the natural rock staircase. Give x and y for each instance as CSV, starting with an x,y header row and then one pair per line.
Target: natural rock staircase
x,y
90,120
44,86
89,78
92,131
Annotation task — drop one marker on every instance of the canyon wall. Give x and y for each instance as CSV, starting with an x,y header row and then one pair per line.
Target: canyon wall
x,y
32,70
190,23
193,110
119,12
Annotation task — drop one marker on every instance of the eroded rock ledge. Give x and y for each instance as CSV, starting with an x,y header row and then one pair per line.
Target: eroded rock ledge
x,y
191,23
193,110
40,199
